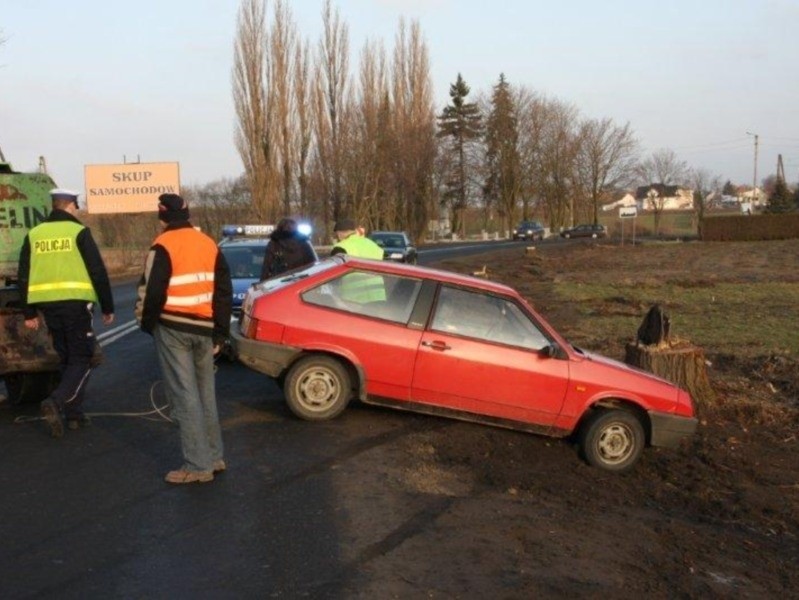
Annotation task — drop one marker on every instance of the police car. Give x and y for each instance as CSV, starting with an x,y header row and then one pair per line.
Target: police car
x,y
243,247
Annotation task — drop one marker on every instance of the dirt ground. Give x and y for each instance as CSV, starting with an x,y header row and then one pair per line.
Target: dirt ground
x,y
718,517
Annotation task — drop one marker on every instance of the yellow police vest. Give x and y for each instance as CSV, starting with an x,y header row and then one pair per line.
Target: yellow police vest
x,y
57,270
356,245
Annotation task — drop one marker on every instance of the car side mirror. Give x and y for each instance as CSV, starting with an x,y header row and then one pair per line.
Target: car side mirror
x,y
550,351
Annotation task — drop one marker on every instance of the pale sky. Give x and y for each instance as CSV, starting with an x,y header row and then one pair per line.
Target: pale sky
x,y
103,81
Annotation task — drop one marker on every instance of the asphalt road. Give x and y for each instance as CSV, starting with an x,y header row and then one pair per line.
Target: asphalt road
x,y
303,510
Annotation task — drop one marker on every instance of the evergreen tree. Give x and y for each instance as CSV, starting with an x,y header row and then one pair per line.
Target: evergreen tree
x,y
729,189
502,153
780,200
460,123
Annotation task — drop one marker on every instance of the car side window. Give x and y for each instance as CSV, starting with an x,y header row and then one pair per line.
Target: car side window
x,y
368,294
485,317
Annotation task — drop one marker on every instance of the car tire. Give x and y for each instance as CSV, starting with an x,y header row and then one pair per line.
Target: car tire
x,y
317,388
612,440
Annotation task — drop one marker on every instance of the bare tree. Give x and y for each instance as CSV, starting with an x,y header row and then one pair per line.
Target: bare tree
x,y
282,41
531,111
414,128
557,182
662,168
253,134
606,160
332,88
304,125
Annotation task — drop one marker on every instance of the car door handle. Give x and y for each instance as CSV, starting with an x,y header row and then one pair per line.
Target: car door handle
x,y
437,345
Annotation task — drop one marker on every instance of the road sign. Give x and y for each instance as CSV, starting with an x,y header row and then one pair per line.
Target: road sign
x,y
628,212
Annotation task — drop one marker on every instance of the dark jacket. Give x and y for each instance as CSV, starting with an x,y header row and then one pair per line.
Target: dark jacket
x,y
91,258
153,291
286,250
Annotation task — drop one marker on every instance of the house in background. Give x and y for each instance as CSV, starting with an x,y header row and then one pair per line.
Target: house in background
x,y
625,201
657,196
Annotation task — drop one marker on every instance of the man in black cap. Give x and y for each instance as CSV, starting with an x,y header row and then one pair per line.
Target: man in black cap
x,y
351,241
62,275
185,300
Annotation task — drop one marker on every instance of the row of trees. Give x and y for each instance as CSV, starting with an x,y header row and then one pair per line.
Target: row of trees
x,y
318,141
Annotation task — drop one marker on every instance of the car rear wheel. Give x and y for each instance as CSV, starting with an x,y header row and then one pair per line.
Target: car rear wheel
x,y
612,440
317,388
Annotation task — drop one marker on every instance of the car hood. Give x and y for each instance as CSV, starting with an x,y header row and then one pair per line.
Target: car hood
x,y
620,366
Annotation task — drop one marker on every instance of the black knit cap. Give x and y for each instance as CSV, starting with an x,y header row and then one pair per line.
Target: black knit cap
x,y
172,208
344,225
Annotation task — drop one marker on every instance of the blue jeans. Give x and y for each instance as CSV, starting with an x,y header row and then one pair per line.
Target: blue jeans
x,y
187,366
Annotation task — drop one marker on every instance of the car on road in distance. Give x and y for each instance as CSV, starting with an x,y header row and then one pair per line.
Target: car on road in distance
x,y
396,245
585,230
445,344
529,230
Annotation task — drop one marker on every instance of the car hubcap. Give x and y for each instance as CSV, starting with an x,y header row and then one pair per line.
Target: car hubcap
x,y
318,389
616,443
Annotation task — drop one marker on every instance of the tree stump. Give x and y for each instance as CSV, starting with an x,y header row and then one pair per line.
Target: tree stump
x,y
680,362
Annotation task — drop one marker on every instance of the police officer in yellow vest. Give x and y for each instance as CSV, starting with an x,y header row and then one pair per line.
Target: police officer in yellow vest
x,y
62,275
358,287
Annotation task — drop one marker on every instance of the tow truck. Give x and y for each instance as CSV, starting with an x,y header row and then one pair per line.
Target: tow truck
x,y
28,362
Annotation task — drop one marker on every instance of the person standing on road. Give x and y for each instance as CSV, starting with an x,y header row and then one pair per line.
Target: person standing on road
x,y
62,274
185,301
354,243
287,249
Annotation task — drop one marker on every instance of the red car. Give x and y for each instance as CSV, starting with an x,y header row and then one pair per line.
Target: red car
x,y
445,344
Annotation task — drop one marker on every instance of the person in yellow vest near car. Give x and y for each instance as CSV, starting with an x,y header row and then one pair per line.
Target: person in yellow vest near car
x,y
185,301
358,287
352,241
62,275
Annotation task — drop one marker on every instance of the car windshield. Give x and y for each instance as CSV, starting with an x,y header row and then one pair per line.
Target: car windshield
x,y
387,240
245,262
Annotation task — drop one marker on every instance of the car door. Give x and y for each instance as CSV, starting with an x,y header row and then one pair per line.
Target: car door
x,y
482,354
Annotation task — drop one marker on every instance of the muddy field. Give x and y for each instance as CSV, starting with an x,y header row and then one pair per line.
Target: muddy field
x,y
717,518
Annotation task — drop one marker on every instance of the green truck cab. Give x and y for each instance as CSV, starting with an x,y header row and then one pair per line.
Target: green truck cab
x,y
28,363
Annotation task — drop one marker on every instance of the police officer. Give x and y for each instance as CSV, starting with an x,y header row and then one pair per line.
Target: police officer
x,y
62,275
352,241
360,288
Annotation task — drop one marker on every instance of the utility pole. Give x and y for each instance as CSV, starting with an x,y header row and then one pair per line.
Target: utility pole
x,y
754,177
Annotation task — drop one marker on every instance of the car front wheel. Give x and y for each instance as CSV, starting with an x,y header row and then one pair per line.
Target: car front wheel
x,y
612,440
317,388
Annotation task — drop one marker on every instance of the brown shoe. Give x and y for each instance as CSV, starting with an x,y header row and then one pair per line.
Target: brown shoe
x,y
52,416
218,466
184,476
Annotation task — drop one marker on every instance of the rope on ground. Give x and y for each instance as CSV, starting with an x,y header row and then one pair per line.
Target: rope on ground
x,y
147,415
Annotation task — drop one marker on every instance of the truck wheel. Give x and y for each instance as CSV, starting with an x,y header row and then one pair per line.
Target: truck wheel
x,y
30,387
317,388
612,440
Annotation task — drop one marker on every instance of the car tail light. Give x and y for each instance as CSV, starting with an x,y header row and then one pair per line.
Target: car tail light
x,y
249,326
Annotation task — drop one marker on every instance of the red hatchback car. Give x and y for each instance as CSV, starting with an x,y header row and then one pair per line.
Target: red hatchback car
x,y
445,344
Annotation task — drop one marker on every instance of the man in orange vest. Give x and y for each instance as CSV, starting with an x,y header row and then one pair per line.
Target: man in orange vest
x,y
185,298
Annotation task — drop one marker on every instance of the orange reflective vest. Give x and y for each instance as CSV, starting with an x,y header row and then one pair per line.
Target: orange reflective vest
x,y
191,286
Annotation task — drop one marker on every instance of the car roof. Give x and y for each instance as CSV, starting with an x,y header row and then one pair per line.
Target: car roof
x,y
395,268
388,233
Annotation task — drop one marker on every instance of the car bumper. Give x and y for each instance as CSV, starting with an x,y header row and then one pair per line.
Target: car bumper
x,y
669,430
264,357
